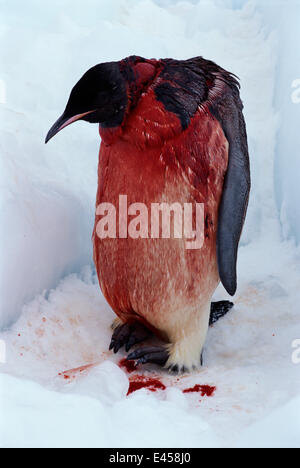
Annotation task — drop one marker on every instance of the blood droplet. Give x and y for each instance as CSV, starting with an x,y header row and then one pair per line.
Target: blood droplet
x,y
205,390
77,370
130,366
139,381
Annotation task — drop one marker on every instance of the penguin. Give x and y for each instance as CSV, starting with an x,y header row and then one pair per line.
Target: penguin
x,y
171,131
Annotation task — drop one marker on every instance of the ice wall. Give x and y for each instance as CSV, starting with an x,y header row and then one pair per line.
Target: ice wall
x,y
283,17
48,192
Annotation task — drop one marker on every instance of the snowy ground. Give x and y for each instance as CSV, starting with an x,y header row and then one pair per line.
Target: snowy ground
x,y
46,208
248,359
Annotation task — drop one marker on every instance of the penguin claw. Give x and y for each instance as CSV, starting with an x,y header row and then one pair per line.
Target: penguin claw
x,y
218,310
139,334
154,355
158,355
119,337
128,335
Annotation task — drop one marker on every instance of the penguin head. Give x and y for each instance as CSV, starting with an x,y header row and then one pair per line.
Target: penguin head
x,y
100,96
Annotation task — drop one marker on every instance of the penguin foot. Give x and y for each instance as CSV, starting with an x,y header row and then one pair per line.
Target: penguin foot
x,y
128,335
157,355
218,310
154,355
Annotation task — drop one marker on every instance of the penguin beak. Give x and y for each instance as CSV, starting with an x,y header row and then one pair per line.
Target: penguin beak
x,y
63,122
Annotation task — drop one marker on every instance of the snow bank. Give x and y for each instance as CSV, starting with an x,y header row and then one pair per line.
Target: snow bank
x,y
46,209
280,429
61,341
38,418
287,100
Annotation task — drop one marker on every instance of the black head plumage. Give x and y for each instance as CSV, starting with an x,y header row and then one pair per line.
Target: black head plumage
x,y
100,96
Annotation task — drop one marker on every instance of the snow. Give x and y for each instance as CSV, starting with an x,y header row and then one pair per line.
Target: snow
x,y
53,316
281,429
248,358
76,420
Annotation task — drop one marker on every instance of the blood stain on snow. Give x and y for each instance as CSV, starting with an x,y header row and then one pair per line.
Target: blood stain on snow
x,y
139,381
205,390
130,366
40,332
67,375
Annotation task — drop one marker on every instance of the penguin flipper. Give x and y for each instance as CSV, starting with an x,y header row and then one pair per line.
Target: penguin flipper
x,y
236,189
